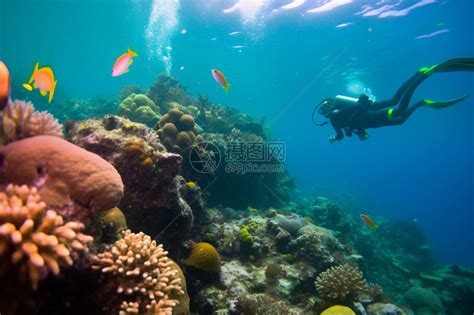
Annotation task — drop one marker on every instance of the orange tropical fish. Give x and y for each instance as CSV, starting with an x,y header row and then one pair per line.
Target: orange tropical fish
x,y
4,85
42,79
220,78
368,220
123,62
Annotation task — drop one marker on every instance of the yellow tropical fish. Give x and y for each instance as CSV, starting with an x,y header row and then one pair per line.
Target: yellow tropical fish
x,y
368,220
191,185
42,79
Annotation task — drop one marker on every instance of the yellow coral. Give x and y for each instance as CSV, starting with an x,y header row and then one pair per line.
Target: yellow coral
x,y
204,256
146,276
338,310
244,236
36,239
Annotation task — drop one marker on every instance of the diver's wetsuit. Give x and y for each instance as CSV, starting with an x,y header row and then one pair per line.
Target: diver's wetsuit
x,y
358,116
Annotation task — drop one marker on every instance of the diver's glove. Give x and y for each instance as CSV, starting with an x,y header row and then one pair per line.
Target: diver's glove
x,y
333,139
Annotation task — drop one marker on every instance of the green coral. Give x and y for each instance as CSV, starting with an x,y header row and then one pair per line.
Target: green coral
x,y
139,108
424,301
244,236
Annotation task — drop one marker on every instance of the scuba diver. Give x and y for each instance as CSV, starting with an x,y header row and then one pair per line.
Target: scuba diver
x,y
353,116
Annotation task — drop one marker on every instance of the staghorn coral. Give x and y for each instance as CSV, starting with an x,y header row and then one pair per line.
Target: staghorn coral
x,y
33,238
339,283
145,275
20,121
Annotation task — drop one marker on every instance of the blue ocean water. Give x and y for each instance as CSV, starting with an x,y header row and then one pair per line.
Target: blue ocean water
x,y
290,59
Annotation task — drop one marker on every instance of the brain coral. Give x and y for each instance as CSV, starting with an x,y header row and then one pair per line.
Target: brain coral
x,y
204,256
340,283
20,120
177,131
338,310
139,108
34,239
145,275
68,172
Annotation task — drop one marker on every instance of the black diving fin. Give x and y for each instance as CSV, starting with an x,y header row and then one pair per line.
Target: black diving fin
x,y
443,104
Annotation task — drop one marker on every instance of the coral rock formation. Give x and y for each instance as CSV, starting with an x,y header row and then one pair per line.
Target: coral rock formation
x,y
340,283
33,238
20,121
145,275
67,172
152,200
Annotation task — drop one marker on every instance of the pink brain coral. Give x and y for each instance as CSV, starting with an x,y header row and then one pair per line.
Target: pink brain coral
x,y
69,172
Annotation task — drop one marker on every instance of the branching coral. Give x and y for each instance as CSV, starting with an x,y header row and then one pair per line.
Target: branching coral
x,y
20,120
145,274
340,283
33,238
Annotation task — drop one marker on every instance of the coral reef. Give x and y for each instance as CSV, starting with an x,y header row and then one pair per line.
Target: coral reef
x,y
20,121
340,283
167,89
254,263
66,172
35,241
424,301
145,276
384,309
261,304
453,284
139,108
177,131
153,201
80,109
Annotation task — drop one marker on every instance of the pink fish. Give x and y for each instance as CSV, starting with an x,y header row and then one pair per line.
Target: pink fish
x,y
123,62
220,78
368,220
